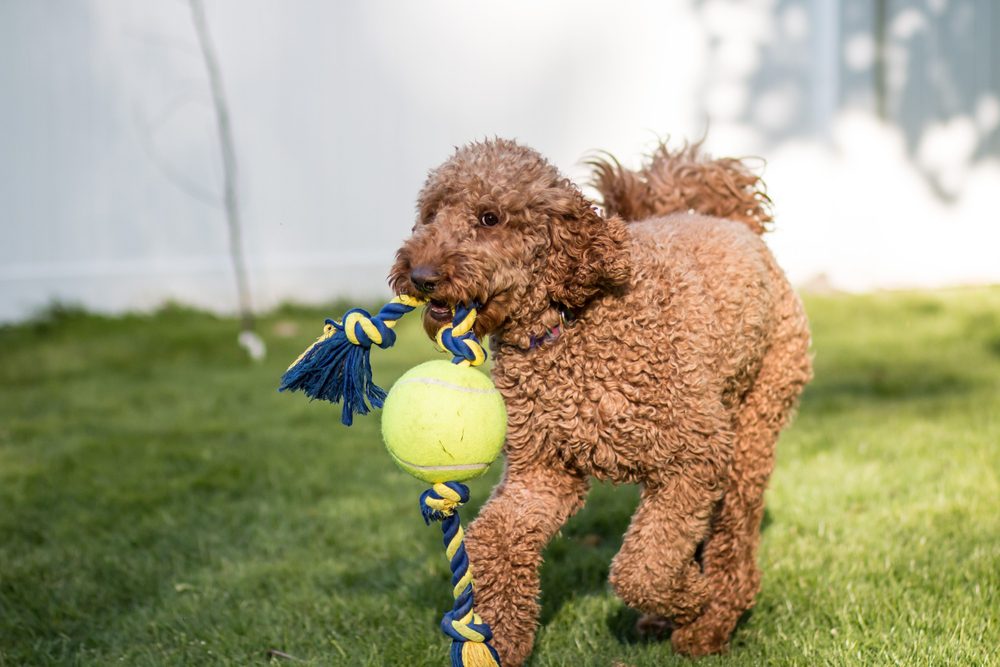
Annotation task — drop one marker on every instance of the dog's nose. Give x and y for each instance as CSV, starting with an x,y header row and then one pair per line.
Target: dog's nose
x,y
424,278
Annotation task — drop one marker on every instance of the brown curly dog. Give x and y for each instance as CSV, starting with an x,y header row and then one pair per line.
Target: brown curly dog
x,y
657,344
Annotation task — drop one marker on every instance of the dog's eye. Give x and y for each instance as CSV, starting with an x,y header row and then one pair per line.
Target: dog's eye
x,y
489,219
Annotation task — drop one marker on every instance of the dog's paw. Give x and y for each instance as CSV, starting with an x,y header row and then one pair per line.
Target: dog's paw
x,y
701,637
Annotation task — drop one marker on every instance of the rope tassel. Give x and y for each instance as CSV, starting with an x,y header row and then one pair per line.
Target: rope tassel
x,y
469,633
337,367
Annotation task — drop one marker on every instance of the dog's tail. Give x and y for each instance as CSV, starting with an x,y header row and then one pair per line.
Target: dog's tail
x,y
682,180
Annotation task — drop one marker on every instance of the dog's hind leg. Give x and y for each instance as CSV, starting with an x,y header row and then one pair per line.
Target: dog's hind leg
x,y
730,554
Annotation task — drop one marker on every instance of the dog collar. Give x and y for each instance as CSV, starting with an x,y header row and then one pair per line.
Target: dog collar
x,y
566,318
547,337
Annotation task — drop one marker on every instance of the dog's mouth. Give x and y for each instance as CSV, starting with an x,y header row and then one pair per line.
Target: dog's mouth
x,y
442,311
439,311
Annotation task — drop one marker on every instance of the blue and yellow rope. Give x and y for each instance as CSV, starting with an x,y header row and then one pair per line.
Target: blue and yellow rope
x,y
469,633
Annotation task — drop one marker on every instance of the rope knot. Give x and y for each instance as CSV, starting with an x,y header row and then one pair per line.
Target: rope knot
x,y
465,627
443,500
460,339
362,329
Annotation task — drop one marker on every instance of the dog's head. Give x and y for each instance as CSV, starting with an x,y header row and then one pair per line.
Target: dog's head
x,y
498,225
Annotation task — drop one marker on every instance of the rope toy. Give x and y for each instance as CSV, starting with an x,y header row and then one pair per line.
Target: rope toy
x,y
443,423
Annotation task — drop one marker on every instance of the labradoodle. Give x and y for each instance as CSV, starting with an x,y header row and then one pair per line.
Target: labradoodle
x,y
656,342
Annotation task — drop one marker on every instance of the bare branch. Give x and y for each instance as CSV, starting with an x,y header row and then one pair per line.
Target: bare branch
x,y
228,163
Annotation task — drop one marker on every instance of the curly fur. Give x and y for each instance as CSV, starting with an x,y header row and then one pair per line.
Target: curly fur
x,y
685,360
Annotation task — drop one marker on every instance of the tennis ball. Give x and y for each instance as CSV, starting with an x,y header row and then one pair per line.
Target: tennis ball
x,y
443,422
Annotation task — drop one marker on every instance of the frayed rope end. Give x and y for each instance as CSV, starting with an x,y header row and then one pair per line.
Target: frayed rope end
x,y
474,654
337,367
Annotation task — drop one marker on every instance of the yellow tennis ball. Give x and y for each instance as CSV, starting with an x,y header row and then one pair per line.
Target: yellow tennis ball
x,y
443,422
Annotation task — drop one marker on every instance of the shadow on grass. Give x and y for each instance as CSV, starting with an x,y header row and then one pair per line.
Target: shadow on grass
x,y
883,383
623,626
576,563
578,559
422,587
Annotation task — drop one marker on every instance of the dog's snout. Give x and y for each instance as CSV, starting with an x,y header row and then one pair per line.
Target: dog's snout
x,y
424,278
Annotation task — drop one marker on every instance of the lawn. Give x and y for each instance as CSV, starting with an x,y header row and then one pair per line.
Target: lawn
x,y
162,504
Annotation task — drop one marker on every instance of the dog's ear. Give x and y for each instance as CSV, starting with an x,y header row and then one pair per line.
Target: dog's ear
x,y
587,253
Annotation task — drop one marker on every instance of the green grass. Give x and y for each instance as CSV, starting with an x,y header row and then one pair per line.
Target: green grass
x,y
161,504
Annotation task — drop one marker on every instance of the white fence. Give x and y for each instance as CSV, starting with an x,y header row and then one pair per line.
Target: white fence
x,y
878,119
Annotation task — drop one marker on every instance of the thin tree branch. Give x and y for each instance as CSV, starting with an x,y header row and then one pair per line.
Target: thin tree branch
x,y
228,163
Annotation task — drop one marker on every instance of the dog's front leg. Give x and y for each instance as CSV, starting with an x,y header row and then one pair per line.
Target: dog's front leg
x,y
505,545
